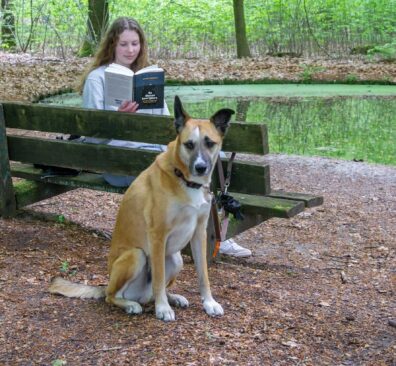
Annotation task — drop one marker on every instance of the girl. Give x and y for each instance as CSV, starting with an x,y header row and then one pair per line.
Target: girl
x,y
126,45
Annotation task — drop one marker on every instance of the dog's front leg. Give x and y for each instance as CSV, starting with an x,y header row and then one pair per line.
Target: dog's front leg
x,y
198,248
163,310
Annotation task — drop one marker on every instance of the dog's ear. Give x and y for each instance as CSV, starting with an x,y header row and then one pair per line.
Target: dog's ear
x,y
180,115
221,119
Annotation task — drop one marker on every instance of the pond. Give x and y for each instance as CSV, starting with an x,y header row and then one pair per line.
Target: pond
x,y
354,122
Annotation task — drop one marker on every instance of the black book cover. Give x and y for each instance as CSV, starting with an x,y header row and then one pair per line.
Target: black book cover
x,y
149,89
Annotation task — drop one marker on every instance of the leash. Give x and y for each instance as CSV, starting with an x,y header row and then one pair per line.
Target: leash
x,y
224,184
216,223
226,202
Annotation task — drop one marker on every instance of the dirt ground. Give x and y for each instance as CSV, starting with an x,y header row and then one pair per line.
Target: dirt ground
x,y
318,290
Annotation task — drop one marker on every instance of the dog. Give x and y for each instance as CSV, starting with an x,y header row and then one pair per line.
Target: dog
x,y
166,207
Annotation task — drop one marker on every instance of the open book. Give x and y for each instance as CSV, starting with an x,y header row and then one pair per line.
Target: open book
x,y
146,86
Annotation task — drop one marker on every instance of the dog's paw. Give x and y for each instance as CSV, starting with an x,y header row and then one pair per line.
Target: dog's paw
x,y
178,300
133,308
213,308
165,313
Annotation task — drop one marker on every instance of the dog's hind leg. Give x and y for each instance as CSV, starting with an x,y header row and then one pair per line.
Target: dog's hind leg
x,y
173,265
129,281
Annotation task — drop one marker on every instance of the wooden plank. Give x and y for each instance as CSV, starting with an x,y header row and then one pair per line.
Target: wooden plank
x,y
254,204
257,209
75,155
246,177
268,206
308,199
83,180
7,197
242,137
28,192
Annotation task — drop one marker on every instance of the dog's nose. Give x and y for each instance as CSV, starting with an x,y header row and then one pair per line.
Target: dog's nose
x,y
201,168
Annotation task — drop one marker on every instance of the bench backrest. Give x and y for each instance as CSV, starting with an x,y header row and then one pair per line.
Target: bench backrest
x,y
242,137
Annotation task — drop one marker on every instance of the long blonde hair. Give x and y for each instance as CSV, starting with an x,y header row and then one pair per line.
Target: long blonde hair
x,y
106,50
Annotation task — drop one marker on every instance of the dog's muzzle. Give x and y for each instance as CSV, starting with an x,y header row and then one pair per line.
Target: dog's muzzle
x,y
201,165
201,169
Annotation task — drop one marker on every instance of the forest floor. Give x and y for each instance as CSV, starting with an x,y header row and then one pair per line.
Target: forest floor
x,y
318,290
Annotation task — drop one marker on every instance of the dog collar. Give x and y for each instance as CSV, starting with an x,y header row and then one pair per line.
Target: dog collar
x,y
188,183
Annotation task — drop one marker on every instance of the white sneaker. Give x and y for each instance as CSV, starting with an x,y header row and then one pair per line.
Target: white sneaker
x,y
230,247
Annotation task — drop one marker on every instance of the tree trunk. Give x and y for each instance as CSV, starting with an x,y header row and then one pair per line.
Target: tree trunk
x,y
8,26
240,30
98,17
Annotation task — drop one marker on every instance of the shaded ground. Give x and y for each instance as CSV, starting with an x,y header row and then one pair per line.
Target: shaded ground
x,y
319,289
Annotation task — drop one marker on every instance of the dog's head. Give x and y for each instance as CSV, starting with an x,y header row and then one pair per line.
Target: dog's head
x,y
200,141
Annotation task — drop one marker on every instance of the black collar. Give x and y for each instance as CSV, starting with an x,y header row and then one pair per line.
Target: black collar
x,y
188,183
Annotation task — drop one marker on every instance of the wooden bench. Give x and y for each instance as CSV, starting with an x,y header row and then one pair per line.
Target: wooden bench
x,y
250,182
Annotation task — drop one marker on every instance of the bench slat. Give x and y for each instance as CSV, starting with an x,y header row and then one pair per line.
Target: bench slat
x,y
28,192
252,204
246,177
265,205
308,199
83,180
241,137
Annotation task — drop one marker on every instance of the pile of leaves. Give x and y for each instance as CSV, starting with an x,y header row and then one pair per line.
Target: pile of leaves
x,y
27,78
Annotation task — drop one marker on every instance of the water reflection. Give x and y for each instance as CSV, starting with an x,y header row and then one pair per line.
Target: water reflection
x,y
353,128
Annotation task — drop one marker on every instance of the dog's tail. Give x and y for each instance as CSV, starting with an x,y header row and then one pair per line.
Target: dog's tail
x,y
66,288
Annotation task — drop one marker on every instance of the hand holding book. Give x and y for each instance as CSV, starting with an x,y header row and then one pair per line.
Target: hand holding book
x,y
128,106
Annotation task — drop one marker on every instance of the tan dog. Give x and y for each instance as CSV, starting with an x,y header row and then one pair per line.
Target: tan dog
x,y
166,207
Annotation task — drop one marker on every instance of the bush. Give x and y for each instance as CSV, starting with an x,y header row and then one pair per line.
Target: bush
x,y
387,52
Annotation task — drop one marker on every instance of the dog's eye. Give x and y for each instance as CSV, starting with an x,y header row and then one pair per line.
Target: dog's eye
x,y
209,143
189,145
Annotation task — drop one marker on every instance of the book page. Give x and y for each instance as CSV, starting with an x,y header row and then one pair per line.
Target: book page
x,y
118,87
152,68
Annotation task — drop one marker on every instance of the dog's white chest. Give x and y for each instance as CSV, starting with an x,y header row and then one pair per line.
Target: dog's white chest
x,y
200,198
185,217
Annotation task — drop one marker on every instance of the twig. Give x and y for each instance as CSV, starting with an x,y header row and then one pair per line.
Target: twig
x,y
344,278
108,349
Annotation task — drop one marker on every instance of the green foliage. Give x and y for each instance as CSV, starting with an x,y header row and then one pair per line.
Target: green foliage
x,y
309,71
64,267
86,50
49,26
351,78
387,52
58,363
205,28
60,219
361,49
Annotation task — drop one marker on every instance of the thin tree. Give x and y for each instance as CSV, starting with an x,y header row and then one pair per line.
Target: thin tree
x,y
8,25
240,30
98,17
